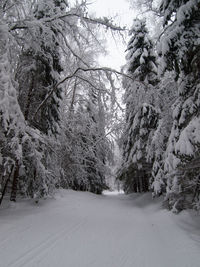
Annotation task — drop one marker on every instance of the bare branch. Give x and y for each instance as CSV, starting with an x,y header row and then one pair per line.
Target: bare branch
x,y
98,89
105,69
72,51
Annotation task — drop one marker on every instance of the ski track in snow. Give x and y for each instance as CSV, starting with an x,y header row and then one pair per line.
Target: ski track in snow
x,y
84,230
38,251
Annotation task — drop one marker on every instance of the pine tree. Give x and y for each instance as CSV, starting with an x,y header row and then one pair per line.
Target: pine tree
x,y
141,65
136,169
141,60
141,116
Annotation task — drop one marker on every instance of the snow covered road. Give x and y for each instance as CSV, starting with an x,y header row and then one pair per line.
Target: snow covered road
x,y
84,230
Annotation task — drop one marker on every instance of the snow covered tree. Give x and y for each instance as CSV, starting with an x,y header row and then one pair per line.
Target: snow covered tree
x,y
166,97
179,50
136,169
141,60
47,39
39,68
14,131
84,160
12,123
141,66
179,46
141,116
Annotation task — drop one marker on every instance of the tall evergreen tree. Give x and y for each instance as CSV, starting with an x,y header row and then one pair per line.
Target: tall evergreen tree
x,y
141,116
136,168
141,60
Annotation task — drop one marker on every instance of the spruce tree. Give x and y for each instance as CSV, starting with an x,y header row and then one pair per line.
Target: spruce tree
x,y
141,116
136,169
141,60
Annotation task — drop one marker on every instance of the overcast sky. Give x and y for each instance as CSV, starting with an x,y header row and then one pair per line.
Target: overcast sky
x,y
111,8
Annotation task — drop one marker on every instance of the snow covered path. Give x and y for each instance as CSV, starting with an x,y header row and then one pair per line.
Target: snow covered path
x,y
84,230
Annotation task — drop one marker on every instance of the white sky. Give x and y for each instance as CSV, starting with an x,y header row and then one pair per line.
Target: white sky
x,y
111,8
125,15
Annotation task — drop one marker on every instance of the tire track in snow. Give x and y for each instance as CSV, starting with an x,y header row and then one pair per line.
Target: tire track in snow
x,y
43,247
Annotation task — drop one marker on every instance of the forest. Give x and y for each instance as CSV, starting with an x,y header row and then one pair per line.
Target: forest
x,y
62,114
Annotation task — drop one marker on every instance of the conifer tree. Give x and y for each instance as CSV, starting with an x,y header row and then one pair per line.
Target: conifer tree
x,y
141,116
136,169
141,60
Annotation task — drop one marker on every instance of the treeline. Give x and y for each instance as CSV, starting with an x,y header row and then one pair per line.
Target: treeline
x,y
161,140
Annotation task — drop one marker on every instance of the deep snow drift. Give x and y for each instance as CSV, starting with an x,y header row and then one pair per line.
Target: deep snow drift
x,y
84,230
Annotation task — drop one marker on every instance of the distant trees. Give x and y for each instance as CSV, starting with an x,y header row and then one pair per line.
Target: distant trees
x,y
84,161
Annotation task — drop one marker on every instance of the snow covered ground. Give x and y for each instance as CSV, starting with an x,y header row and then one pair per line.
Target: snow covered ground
x,y
84,230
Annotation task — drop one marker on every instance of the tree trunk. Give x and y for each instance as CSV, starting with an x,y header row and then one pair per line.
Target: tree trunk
x,y
13,194
6,184
73,97
29,99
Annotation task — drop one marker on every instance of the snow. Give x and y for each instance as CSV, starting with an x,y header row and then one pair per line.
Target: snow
x,y
189,138
79,229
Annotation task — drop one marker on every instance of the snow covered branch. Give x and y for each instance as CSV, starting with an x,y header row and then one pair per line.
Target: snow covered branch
x,y
74,74
25,24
